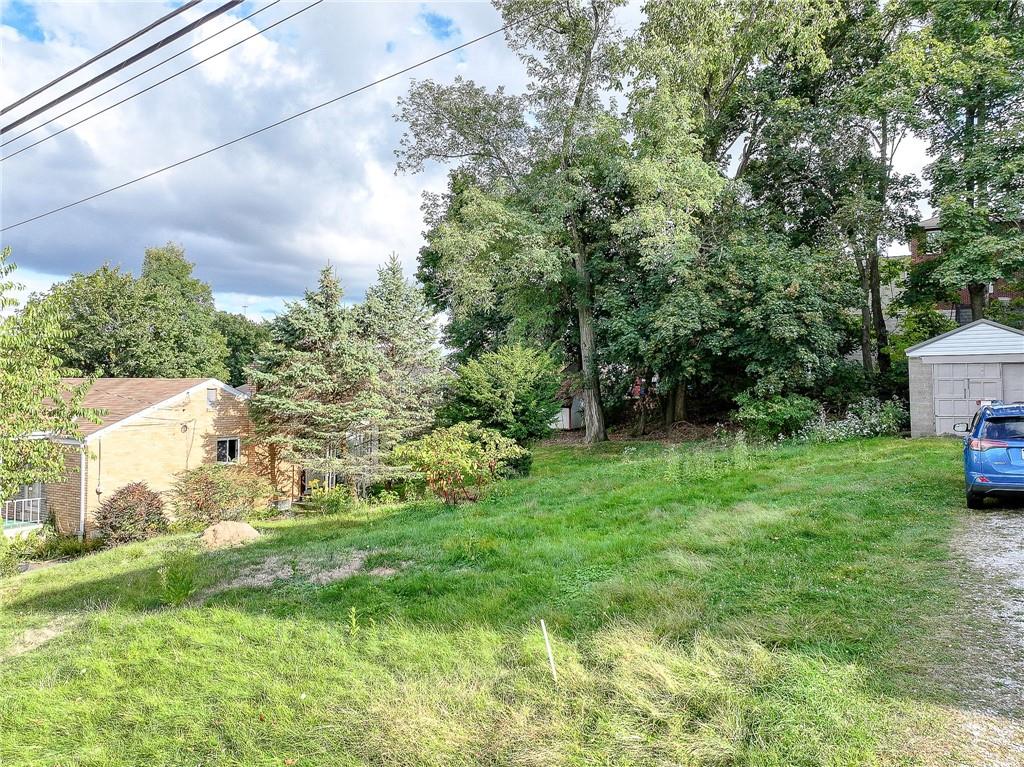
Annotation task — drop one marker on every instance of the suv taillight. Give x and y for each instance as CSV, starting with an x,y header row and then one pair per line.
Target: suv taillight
x,y
985,444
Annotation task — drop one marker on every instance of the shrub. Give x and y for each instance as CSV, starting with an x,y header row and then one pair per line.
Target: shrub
x,y
132,513
459,461
178,575
513,390
217,491
774,417
868,418
334,500
9,557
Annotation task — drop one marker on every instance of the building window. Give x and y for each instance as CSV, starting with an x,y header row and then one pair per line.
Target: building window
x,y
211,398
227,450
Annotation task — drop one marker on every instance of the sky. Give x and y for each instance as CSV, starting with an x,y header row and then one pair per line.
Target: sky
x,y
262,217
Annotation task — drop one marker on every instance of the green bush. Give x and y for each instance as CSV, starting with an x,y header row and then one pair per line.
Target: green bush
x,y
132,513
868,418
323,500
513,390
775,417
9,557
217,491
459,461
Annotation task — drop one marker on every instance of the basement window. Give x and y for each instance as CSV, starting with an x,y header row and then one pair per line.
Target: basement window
x,y
227,450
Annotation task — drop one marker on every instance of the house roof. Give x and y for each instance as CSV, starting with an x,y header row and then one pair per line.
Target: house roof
x,y
122,399
975,338
930,224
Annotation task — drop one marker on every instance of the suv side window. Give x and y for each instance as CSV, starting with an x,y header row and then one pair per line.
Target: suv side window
x,y
974,422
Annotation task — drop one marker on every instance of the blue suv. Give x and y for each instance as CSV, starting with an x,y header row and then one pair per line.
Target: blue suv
x,y
993,452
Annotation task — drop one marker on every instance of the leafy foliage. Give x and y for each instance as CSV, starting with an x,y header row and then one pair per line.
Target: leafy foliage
x,y
868,418
131,513
457,462
214,492
775,416
161,324
513,390
34,398
243,338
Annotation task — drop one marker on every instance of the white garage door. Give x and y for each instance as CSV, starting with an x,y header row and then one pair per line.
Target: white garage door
x,y
1013,382
960,387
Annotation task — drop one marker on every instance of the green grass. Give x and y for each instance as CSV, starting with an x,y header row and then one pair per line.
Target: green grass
x,y
774,614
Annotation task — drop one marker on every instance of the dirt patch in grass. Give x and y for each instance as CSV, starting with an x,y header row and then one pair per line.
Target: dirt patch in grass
x,y
316,571
30,639
986,740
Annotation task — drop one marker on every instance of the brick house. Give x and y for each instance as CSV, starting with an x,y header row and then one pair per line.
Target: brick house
x,y
924,247
152,429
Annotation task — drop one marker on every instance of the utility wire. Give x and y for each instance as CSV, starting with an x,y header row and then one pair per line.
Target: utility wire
x,y
100,55
126,63
282,121
149,87
140,74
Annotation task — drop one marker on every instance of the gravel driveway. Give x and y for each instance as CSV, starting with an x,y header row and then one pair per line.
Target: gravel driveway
x,y
989,635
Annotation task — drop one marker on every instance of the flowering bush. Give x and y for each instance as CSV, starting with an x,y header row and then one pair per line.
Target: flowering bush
x,y
868,418
457,462
132,513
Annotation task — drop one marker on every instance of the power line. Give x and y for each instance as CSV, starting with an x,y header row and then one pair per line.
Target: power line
x,y
149,87
126,63
282,121
100,55
136,76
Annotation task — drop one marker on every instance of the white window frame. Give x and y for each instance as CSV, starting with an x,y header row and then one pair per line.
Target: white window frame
x,y
238,449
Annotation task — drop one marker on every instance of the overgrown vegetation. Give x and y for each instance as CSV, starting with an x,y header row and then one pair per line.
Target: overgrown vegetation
x,y
131,513
458,462
214,492
513,390
780,616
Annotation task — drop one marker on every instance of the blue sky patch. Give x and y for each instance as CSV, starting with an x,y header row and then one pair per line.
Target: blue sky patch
x,y
22,17
389,46
441,27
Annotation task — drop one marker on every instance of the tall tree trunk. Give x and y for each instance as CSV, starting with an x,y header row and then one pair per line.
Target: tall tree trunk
x,y
874,258
675,404
978,293
877,313
593,411
865,315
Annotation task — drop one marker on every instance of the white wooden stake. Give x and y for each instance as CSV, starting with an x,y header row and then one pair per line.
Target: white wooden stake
x,y
551,655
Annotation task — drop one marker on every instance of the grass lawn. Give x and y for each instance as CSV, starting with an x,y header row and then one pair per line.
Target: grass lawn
x,y
776,615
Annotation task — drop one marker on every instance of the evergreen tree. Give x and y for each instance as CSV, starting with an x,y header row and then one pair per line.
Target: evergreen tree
x,y
314,401
396,323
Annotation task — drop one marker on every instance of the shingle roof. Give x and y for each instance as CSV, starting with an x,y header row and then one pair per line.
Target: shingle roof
x,y
124,397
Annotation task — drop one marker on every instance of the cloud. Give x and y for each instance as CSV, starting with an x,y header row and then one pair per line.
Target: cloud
x,y
21,17
261,217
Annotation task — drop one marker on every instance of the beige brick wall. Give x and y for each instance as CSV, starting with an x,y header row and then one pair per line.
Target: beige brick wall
x,y
62,498
922,401
167,441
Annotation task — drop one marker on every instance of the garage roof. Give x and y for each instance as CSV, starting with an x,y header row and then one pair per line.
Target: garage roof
x,y
976,338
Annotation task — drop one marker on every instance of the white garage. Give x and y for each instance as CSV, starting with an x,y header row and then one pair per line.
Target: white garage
x,y
952,375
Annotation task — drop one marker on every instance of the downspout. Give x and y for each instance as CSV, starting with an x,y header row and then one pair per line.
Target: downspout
x,y
81,494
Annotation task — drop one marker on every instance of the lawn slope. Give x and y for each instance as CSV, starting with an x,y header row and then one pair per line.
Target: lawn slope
x,y
772,615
